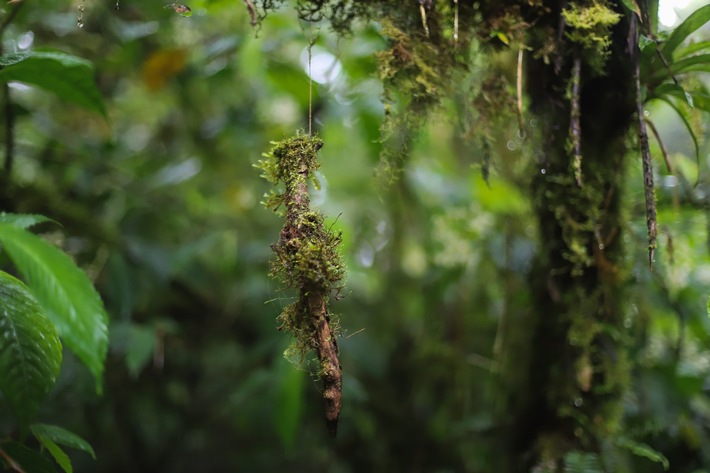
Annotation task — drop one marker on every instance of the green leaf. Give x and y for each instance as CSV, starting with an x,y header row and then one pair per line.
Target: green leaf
x,y
30,352
689,64
29,460
674,90
686,123
62,437
582,462
69,77
696,19
699,63
57,453
23,220
501,36
66,294
642,450
701,101
693,48
632,6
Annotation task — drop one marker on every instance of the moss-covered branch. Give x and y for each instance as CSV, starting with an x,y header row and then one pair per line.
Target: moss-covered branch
x,y
307,259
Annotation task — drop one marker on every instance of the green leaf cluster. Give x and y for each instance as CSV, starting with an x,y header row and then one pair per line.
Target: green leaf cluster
x,y
58,301
67,76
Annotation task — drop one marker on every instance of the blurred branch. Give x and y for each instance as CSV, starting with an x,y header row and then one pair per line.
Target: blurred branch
x,y
252,12
11,16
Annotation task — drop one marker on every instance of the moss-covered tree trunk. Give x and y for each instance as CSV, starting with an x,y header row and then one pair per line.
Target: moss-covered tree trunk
x,y
570,402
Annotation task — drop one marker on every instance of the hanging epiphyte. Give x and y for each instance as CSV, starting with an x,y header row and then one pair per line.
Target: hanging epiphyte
x,y
182,10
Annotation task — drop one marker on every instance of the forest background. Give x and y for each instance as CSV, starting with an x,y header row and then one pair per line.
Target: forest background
x,y
158,197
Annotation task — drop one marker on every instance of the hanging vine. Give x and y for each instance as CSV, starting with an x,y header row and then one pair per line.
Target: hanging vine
x,y
307,259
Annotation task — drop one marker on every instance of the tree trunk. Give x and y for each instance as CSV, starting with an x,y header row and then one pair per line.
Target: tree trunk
x,y
570,396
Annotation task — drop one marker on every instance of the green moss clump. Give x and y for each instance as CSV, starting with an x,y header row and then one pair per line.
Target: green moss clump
x,y
289,163
307,256
589,26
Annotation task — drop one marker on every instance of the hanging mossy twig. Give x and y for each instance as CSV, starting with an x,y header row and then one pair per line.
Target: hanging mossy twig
x,y
307,259
643,143
575,127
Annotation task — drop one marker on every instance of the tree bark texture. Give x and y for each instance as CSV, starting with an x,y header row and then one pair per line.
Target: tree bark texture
x,y
570,389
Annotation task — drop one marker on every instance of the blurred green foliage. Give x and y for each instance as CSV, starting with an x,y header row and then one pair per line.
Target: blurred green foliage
x,y
159,203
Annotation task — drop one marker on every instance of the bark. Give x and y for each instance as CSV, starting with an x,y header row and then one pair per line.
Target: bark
x,y
569,393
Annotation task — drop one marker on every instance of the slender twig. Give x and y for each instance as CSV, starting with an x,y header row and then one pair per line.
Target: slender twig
x,y
519,90
252,12
10,17
422,10
11,462
575,119
665,63
664,151
645,149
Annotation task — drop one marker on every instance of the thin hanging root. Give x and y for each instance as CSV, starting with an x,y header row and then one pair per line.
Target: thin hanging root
x,y
645,149
519,90
664,151
252,12
575,125
647,184
456,21
424,21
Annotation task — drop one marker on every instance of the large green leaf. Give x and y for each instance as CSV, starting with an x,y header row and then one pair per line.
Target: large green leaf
x,y
23,220
69,77
62,437
65,292
30,351
696,19
29,460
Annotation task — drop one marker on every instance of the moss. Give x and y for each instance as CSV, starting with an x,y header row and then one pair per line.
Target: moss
x,y
589,27
306,255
